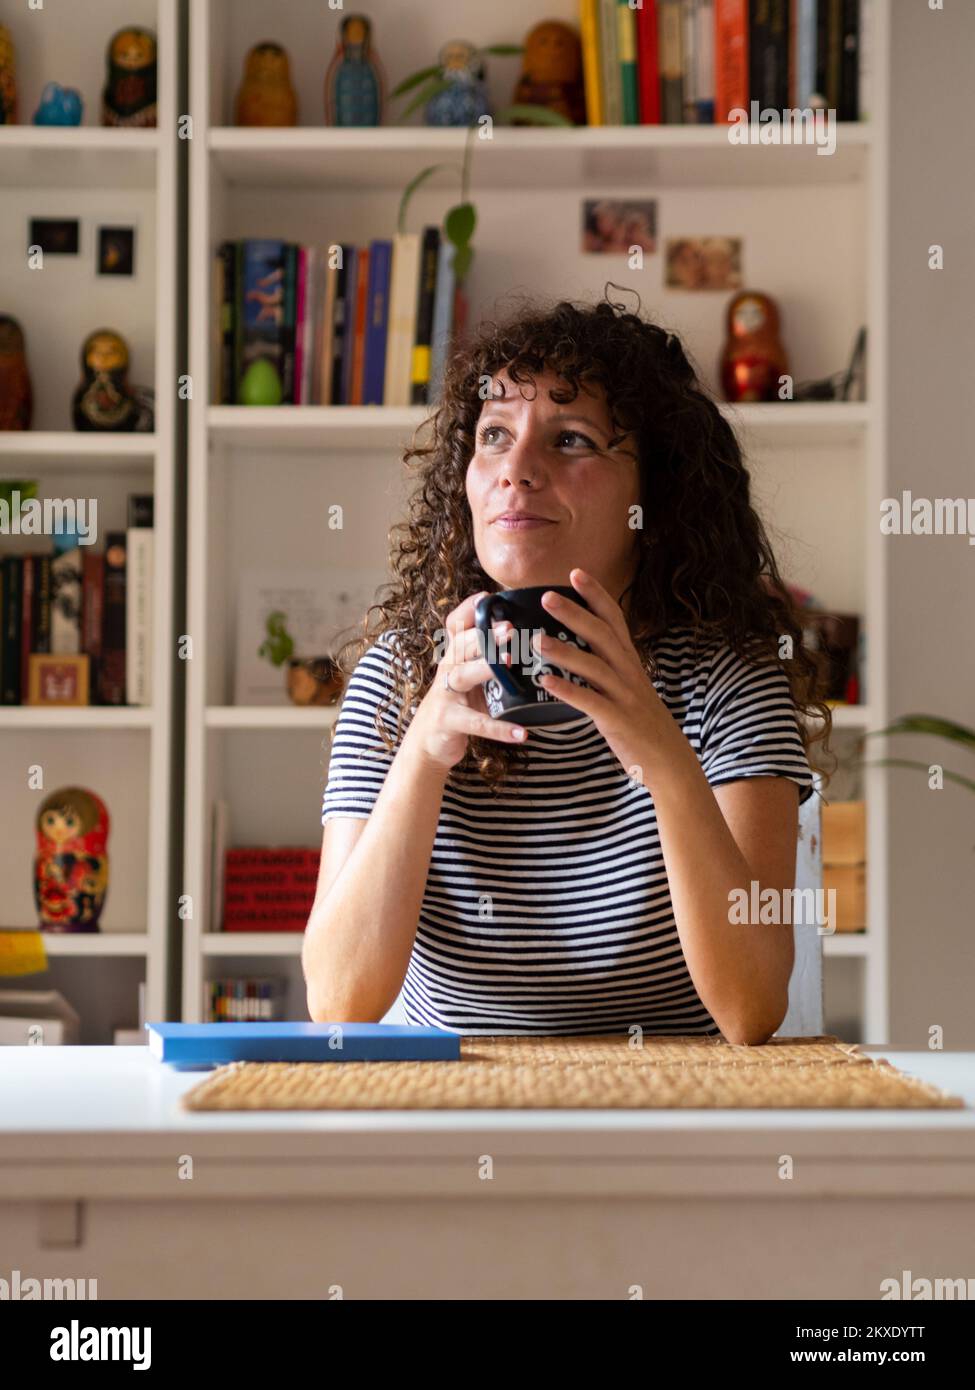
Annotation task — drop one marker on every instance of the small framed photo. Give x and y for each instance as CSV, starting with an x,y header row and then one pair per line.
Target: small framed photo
x,y
703,263
54,680
56,236
116,250
613,226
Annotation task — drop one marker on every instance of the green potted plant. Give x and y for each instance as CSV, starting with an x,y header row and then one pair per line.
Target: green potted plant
x,y
460,220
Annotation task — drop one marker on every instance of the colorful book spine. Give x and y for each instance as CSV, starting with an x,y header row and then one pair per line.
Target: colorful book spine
x,y
778,48
671,62
228,381
301,291
138,607
731,61
353,266
421,359
40,633
442,319
704,62
26,620
66,602
403,299
112,674
288,324
10,620
359,327
626,41
648,63
339,318
92,611
589,31
377,322
610,62
260,305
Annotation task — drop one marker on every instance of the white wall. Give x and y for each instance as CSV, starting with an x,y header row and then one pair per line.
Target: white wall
x,y
932,453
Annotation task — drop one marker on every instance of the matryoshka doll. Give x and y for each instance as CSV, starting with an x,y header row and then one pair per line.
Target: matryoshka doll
x,y
266,96
753,358
103,400
16,393
71,865
354,81
8,78
552,71
129,98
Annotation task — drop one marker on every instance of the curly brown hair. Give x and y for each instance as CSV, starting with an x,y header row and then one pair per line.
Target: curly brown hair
x,y
708,564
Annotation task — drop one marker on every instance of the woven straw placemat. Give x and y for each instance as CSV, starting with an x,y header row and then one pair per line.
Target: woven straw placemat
x,y
582,1073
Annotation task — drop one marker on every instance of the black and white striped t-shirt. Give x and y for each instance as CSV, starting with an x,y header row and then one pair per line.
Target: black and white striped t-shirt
x,y
547,909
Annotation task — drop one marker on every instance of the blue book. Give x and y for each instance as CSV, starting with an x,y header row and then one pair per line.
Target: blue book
x,y
377,322
211,1044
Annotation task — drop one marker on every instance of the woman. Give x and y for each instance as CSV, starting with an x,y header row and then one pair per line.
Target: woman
x,y
571,878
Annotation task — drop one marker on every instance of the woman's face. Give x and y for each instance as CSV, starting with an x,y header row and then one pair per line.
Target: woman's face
x,y
546,492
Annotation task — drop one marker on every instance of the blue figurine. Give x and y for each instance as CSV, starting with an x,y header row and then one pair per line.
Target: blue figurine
x,y
466,98
354,81
59,106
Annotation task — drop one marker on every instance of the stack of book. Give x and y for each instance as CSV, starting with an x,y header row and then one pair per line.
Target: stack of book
x,y
674,62
340,324
76,624
243,999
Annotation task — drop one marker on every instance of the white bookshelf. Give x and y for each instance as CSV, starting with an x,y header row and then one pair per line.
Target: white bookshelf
x,y
103,177
814,231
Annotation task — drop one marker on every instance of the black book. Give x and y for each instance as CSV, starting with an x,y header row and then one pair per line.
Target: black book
x,y
420,373
849,105
10,617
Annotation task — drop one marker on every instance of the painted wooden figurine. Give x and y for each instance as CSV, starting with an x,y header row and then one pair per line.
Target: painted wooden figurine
x,y
354,82
8,78
552,71
266,96
71,863
466,98
16,395
129,98
104,401
753,358
59,106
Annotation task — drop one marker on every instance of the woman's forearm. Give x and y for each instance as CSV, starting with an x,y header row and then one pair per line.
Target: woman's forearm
x,y
360,933
736,967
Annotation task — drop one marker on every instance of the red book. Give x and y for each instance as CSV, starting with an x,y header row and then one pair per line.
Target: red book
x,y
359,341
647,63
269,889
730,58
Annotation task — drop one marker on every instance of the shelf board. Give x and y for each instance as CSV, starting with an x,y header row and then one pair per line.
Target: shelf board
x,y
89,157
74,449
91,717
252,943
273,717
317,427
314,426
848,943
528,157
106,943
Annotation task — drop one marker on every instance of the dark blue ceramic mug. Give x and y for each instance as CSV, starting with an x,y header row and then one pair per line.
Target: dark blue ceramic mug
x,y
514,692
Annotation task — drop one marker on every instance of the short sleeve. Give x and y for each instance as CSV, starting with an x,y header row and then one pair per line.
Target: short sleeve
x,y
750,726
359,760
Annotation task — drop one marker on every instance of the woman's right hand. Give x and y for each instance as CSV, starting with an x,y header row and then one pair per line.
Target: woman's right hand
x,y
447,717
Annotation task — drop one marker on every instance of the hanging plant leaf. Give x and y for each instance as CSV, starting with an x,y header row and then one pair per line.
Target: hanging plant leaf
x,y
459,224
535,115
423,96
411,188
462,260
504,50
409,83
928,724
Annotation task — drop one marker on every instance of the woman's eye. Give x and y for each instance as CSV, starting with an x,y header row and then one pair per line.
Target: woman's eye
x,y
577,439
485,435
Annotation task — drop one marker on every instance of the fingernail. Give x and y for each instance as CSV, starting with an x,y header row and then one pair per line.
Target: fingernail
x,y
518,732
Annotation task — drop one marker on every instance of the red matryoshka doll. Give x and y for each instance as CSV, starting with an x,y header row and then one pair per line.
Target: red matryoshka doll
x,y
753,357
71,865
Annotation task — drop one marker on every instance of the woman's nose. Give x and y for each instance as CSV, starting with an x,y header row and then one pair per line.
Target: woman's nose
x,y
523,463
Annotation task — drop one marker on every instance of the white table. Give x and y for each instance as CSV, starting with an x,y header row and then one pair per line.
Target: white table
x,y
95,1157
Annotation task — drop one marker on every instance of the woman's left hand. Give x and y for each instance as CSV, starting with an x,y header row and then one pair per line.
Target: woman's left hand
x,y
622,701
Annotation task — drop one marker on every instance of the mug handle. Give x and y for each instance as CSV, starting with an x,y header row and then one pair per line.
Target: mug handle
x,y
494,608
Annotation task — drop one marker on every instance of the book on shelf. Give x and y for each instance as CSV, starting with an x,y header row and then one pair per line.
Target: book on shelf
x,y
679,62
270,889
341,324
243,999
76,624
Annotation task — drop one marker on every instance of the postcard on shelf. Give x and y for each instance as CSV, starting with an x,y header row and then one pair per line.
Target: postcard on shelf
x,y
286,615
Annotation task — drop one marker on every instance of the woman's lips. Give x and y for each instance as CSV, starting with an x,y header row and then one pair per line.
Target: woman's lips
x,y
521,523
